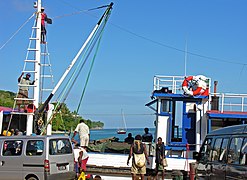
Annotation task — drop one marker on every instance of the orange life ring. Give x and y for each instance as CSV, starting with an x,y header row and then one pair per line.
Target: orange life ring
x,y
198,91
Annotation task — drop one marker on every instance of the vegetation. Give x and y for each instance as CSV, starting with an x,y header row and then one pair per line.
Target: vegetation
x,y
7,98
64,120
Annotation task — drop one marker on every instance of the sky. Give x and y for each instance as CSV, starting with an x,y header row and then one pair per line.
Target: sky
x,y
141,39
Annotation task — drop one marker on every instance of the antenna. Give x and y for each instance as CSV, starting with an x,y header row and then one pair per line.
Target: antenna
x,y
185,58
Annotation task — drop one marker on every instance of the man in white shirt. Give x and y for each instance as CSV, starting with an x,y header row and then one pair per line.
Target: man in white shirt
x,y
84,134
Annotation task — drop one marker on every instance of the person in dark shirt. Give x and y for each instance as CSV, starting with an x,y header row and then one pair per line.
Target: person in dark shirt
x,y
129,139
147,137
160,155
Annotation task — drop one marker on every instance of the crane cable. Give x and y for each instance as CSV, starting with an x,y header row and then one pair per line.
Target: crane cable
x,y
89,73
92,44
67,85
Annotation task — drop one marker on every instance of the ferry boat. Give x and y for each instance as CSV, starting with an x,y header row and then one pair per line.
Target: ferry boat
x,y
186,111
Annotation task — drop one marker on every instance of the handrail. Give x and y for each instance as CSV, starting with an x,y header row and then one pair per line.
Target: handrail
x,y
226,101
231,102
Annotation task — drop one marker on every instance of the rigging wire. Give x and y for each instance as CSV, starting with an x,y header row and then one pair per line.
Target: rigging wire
x,y
177,49
137,35
96,38
64,94
81,65
17,31
89,73
79,11
162,44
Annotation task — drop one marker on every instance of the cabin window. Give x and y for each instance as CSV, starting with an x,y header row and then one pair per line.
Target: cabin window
x,y
60,146
177,122
206,149
35,148
243,155
234,150
12,148
165,105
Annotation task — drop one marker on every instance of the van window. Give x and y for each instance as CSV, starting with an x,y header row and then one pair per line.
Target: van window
x,y
243,157
12,148
223,150
216,149
234,150
205,150
60,146
218,152
35,148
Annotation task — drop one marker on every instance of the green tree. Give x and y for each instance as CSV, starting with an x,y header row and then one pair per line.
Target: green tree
x,y
63,120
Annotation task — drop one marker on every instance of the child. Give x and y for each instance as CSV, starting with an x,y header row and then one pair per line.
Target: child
x,y
82,159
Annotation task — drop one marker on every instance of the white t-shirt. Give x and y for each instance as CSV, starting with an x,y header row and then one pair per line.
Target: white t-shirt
x,y
77,153
24,81
82,129
85,155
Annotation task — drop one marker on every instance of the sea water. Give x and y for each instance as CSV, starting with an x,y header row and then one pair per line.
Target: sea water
x,y
108,133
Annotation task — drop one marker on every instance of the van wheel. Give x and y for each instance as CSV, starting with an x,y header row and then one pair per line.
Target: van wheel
x,y
32,178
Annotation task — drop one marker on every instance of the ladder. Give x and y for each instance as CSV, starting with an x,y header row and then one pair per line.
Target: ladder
x,y
46,76
30,62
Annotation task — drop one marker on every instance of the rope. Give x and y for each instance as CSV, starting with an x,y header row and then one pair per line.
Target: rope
x,y
89,73
17,31
84,89
79,12
97,35
80,65
11,116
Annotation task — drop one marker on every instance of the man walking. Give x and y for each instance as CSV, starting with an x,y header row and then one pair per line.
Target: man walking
x,y
84,133
139,154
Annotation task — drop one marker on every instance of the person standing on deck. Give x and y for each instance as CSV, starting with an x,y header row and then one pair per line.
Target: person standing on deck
x,y
43,29
160,155
23,90
147,137
129,139
84,133
139,153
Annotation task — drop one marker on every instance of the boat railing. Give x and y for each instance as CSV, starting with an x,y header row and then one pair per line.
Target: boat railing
x,y
219,101
173,83
229,102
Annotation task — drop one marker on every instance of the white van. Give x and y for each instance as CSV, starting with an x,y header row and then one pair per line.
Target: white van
x,y
36,158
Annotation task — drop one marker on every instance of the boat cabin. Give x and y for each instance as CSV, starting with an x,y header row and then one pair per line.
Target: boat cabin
x,y
186,111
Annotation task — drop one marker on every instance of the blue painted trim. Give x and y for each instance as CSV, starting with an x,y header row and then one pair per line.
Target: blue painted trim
x,y
225,115
179,96
209,125
6,112
164,114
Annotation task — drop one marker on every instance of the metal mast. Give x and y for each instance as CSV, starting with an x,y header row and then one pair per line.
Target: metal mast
x,y
36,90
